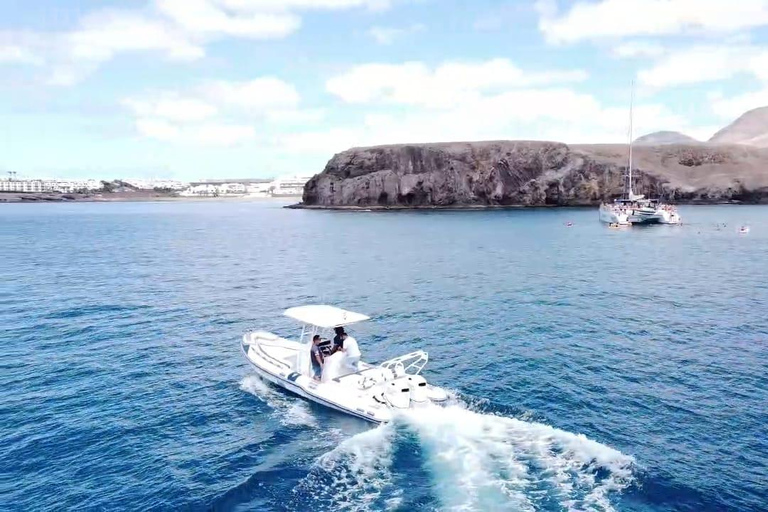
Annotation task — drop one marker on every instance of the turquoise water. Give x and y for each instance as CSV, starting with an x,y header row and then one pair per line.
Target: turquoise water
x,y
593,369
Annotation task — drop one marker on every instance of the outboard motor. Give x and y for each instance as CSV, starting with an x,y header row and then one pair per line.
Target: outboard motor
x,y
398,394
418,386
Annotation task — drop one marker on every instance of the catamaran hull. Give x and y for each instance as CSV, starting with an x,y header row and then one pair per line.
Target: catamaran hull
x,y
644,219
667,217
609,217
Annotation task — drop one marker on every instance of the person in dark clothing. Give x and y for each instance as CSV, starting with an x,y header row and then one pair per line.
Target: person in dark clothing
x,y
338,340
317,358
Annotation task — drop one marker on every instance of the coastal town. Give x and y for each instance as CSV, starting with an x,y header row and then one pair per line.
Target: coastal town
x,y
23,188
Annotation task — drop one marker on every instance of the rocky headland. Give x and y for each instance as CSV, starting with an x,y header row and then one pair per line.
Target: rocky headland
x,y
534,173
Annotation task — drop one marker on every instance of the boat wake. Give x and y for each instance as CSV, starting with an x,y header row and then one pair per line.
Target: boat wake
x,y
356,475
487,462
471,461
287,409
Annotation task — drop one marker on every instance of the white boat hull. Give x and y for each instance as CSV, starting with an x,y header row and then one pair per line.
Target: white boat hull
x,y
361,394
611,216
644,216
669,217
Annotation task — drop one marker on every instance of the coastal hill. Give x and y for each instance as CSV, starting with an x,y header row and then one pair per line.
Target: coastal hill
x,y
530,173
534,173
751,129
663,138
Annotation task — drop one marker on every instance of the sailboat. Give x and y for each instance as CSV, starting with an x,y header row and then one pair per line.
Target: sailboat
x,y
634,208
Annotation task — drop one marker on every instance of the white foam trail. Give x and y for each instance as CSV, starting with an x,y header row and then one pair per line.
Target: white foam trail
x,y
290,411
485,462
356,475
477,461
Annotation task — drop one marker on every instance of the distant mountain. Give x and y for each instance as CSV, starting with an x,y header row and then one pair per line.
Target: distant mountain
x,y
750,129
664,138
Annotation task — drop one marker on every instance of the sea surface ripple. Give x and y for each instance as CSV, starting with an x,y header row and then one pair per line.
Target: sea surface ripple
x,y
592,369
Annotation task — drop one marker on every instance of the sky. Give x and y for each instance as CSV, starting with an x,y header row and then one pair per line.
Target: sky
x,y
195,89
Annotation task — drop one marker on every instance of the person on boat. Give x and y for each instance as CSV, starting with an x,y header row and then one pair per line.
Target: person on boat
x,y
317,358
337,341
352,351
347,344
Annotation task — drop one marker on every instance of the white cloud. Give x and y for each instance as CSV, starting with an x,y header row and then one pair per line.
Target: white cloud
x,y
103,35
732,107
296,116
179,30
15,54
558,114
700,64
207,134
285,5
222,134
473,101
68,57
171,107
323,142
157,129
414,83
205,17
259,95
388,35
623,18
633,49
218,113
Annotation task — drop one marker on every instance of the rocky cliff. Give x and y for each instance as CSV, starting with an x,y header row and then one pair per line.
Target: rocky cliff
x,y
525,173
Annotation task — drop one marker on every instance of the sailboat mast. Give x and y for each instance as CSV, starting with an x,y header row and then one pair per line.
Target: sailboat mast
x,y
629,167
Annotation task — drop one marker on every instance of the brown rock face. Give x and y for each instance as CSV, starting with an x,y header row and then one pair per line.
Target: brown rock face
x,y
525,173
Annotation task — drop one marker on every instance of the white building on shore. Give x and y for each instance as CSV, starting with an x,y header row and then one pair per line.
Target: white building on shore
x,y
289,185
49,185
286,186
152,184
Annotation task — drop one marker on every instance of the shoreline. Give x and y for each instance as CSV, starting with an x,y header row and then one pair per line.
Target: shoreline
x,y
483,207
123,197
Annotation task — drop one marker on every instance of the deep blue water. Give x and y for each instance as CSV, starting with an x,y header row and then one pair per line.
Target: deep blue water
x,y
594,369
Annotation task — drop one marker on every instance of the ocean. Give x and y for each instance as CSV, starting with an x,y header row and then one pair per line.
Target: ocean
x,y
590,368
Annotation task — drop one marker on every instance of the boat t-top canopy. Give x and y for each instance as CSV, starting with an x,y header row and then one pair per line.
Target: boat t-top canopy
x,y
324,316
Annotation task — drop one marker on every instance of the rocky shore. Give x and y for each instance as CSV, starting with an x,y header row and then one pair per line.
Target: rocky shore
x,y
54,197
528,173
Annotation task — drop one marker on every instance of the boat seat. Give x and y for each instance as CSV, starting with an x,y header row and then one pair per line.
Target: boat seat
x,y
292,360
261,336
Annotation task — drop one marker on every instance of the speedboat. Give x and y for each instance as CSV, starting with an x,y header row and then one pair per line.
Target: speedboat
x,y
744,230
371,392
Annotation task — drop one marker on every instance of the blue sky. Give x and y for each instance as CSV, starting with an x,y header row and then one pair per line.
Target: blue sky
x,y
233,88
